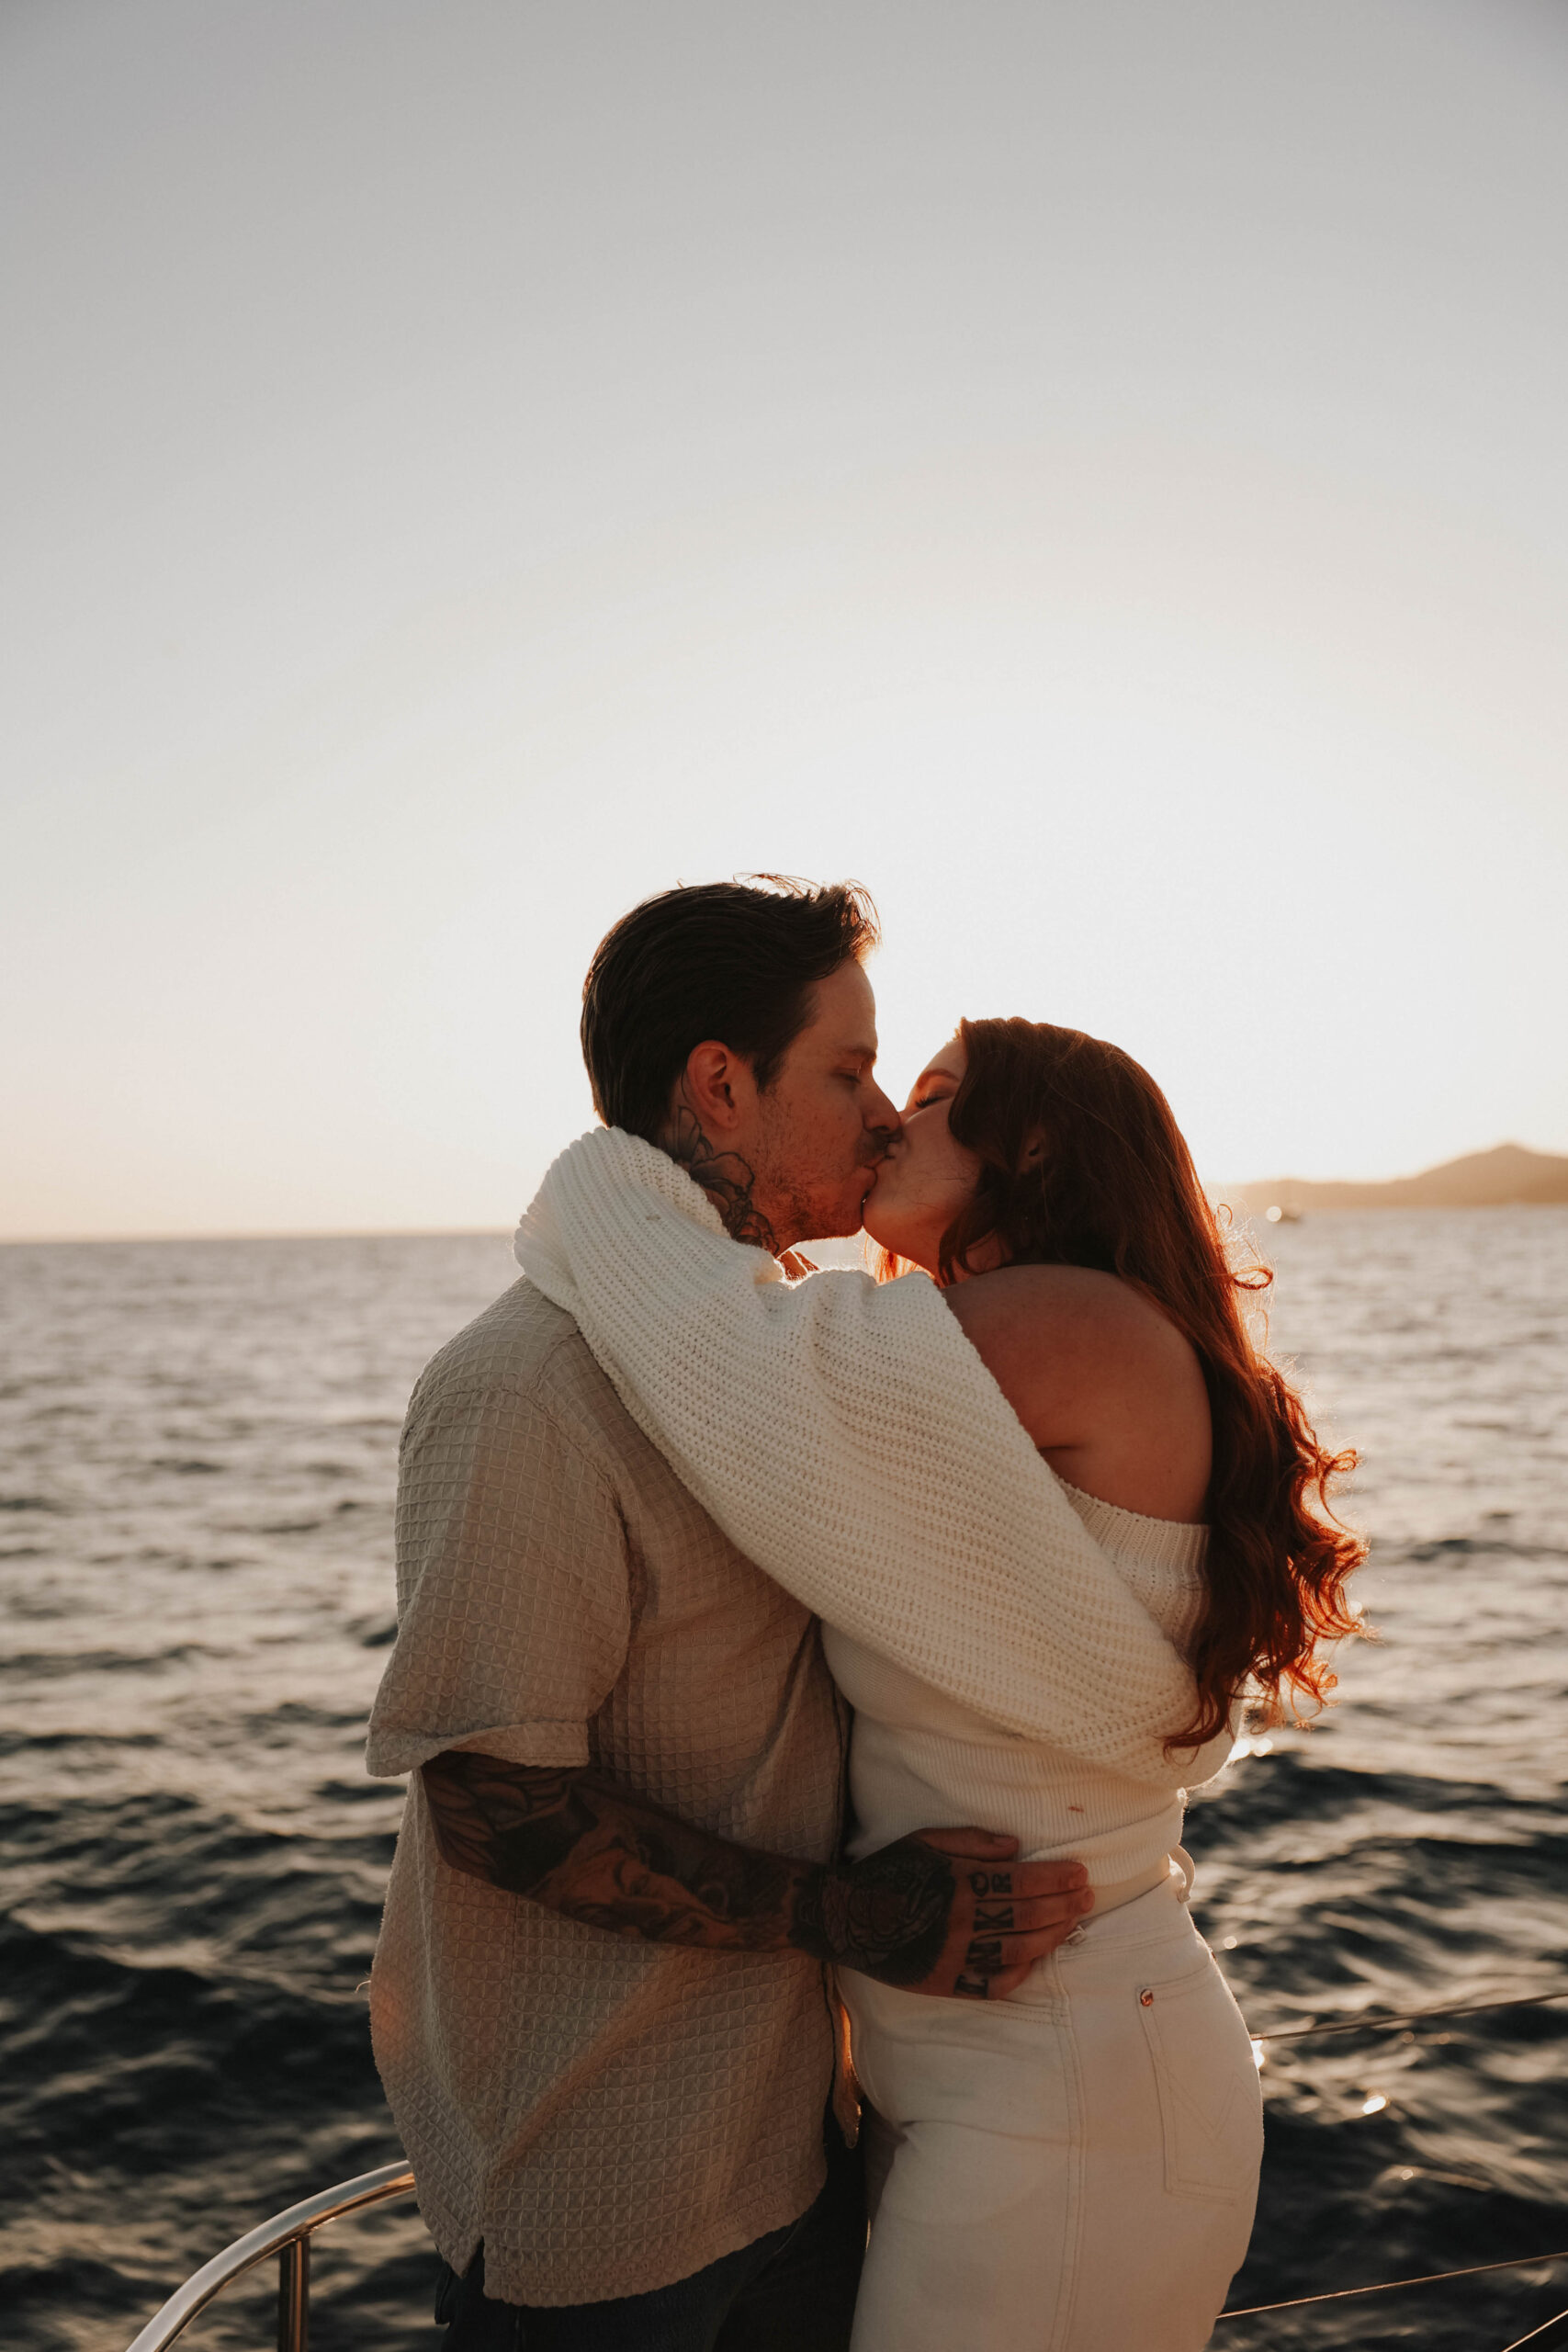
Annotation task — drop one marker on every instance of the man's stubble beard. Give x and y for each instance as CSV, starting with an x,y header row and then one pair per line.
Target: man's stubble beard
x,y
798,1212
762,1199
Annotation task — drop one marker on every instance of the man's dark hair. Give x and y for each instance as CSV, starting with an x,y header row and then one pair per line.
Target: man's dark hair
x,y
734,961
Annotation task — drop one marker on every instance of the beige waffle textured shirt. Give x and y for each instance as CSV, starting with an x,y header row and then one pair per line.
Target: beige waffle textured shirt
x,y
608,2116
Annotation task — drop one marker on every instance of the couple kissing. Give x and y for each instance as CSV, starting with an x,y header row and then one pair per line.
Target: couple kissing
x,y
801,1672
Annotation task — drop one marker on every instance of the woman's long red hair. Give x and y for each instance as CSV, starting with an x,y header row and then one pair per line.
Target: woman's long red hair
x,y
1115,1188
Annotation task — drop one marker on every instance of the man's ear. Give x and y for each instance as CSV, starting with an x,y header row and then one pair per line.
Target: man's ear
x,y
717,1088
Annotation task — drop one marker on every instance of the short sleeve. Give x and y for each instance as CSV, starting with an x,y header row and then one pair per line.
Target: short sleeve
x,y
513,1599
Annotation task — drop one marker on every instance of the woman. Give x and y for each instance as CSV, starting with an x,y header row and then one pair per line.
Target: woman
x,y
1108,2109
1073,2166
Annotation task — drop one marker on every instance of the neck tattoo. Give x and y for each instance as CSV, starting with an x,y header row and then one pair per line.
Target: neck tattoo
x,y
726,1179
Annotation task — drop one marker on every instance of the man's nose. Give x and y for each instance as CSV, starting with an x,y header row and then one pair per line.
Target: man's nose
x,y
882,1116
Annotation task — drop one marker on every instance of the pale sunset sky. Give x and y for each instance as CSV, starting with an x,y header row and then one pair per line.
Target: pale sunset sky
x,y
1096,473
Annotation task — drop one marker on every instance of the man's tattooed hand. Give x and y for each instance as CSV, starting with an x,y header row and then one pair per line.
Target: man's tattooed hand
x,y
728,1181
886,1915
946,1912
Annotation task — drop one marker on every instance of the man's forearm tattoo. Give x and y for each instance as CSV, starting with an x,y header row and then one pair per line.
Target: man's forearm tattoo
x,y
727,1179
511,1823
601,1855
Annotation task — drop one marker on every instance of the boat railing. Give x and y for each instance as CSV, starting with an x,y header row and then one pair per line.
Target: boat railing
x,y
287,2234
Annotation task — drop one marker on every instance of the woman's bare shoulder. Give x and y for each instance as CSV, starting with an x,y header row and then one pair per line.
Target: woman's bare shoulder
x,y
1064,1342
1061,1305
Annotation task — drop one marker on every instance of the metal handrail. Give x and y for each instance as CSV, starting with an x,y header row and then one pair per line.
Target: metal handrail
x,y
288,2236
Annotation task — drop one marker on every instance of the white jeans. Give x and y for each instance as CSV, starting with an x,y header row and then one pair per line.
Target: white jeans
x,y
1074,2169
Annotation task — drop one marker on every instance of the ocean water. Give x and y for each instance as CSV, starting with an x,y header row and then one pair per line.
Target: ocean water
x,y
198,1444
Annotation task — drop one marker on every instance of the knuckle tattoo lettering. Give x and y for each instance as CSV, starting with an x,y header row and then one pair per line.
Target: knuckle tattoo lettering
x,y
994,1917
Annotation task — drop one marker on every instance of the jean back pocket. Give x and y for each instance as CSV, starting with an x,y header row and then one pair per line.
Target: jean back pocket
x,y
1209,2101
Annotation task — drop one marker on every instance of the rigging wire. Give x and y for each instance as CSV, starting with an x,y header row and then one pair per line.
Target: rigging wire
x,y
1412,2017
1555,2332
1389,2286
1544,2336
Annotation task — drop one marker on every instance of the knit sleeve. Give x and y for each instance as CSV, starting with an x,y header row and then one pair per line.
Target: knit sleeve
x,y
848,1438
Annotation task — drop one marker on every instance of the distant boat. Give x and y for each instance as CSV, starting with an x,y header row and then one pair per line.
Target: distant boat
x,y
1279,1216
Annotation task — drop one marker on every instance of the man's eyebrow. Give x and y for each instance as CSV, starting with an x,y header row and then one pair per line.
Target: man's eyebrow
x,y
861,1052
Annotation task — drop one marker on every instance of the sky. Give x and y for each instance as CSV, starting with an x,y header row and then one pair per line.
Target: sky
x,y
1094,473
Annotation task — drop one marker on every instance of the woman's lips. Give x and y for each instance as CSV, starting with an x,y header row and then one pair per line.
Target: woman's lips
x,y
874,1175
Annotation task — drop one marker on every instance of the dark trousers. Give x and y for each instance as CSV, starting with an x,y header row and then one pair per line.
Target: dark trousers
x,y
792,2291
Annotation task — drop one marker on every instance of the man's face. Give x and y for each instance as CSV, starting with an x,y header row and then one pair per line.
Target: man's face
x,y
824,1124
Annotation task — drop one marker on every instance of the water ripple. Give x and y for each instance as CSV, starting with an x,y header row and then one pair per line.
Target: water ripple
x,y
197,1537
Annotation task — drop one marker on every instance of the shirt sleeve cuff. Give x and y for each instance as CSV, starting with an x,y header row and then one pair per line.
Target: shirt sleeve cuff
x,y
563,1747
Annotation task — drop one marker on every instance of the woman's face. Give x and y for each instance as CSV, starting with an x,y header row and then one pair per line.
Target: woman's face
x,y
926,1177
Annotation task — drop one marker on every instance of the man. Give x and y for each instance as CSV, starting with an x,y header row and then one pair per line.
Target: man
x,y
600,2005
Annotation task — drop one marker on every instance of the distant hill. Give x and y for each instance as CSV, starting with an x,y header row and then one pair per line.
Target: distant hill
x,y
1507,1176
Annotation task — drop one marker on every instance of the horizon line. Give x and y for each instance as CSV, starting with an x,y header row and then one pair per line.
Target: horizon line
x,y
268,1233
480,1232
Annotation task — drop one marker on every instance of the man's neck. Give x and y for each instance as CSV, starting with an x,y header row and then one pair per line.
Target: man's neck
x,y
729,1179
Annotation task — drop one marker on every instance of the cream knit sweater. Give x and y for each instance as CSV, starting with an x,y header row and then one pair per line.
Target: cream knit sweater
x,y
849,1440
918,1758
